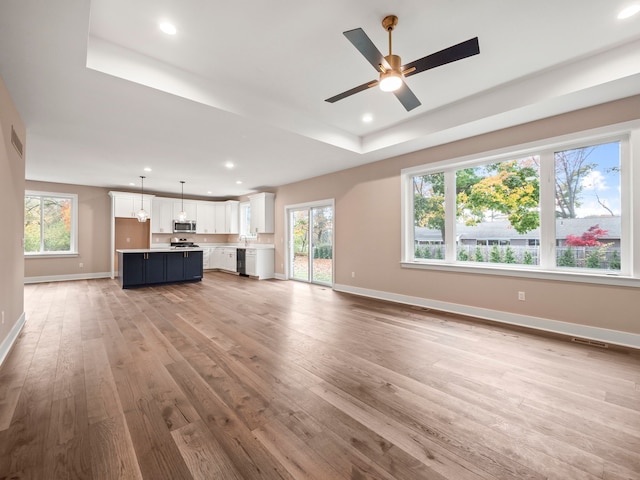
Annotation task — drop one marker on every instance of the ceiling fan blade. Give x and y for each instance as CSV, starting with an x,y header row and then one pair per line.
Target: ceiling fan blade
x,y
354,90
448,55
365,46
407,97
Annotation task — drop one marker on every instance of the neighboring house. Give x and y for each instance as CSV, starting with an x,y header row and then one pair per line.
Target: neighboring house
x,y
500,232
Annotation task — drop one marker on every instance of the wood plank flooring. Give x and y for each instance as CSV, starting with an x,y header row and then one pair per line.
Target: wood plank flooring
x,y
232,378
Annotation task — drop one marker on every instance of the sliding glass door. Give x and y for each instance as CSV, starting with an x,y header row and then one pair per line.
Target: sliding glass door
x,y
311,243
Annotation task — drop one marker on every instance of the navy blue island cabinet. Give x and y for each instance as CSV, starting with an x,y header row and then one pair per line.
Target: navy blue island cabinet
x,y
137,268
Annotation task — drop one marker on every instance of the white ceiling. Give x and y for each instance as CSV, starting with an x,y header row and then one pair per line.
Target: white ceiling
x,y
104,93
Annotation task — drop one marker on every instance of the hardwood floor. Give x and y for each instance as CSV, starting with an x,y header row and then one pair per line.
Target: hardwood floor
x,y
233,378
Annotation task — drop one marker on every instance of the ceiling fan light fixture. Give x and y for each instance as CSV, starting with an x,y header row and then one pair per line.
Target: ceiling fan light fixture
x,y
391,78
390,81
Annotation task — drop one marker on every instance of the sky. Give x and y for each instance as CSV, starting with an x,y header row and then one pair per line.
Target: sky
x,y
602,182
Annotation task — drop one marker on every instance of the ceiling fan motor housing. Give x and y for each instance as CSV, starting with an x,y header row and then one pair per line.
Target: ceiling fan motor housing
x,y
395,62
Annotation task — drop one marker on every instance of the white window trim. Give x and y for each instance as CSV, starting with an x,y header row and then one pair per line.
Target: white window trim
x,y
627,133
73,248
246,231
287,228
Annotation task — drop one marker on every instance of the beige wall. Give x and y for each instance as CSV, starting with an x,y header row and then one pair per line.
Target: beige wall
x,y
12,168
94,230
367,234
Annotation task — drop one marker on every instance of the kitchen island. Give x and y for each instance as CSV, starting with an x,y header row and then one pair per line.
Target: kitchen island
x,y
258,263
139,267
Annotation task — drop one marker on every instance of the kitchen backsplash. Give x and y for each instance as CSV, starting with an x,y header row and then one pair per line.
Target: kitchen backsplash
x,y
266,238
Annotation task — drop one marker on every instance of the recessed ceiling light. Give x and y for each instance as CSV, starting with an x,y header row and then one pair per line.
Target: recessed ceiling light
x,y
208,193
168,28
229,164
238,182
132,184
629,11
147,169
367,118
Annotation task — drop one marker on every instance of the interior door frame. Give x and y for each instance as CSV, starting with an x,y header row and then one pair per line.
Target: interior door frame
x,y
330,202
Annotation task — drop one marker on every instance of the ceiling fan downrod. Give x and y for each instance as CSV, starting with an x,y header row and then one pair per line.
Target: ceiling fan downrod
x,y
394,61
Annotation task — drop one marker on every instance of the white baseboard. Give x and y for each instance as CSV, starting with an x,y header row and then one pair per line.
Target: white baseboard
x,y
64,278
614,337
7,343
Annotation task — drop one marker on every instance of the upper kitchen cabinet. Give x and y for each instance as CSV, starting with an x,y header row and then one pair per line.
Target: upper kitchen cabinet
x,y
162,215
262,212
126,205
217,217
190,207
232,212
221,218
206,217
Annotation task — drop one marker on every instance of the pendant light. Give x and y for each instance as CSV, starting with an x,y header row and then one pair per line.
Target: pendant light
x,y
182,216
142,214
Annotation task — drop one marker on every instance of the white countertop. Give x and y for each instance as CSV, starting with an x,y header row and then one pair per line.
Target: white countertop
x,y
158,250
255,246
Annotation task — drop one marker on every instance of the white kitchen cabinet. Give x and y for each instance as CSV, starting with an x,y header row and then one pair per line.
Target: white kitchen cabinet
x,y
220,217
226,217
206,257
209,258
126,205
262,212
162,216
260,262
223,258
230,256
250,262
190,206
216,258
232,216
205,217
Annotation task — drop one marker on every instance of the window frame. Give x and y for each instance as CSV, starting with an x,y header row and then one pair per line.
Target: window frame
x,y
244,221
628,134
73,246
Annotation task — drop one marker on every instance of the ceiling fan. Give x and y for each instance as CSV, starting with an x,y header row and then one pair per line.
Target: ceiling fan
x,y
392,73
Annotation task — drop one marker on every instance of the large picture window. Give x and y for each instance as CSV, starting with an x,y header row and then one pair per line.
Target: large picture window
x,y
588,207
557,208
50,223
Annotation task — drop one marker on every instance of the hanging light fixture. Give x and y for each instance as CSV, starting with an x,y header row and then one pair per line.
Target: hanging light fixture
x,y
182,216
142,214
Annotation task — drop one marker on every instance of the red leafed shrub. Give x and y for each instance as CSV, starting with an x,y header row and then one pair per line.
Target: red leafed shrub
x,y
590,238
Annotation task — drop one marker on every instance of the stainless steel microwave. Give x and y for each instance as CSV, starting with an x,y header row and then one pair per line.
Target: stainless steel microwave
x,y
188,226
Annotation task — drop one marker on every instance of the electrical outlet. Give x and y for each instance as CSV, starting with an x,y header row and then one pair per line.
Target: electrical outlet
x,y
353,274
2,317
81,265
521,296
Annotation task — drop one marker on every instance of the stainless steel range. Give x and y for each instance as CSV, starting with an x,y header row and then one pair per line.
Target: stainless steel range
x,y
182,243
